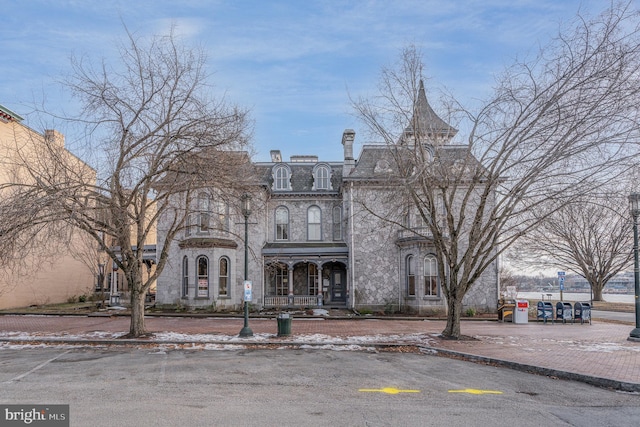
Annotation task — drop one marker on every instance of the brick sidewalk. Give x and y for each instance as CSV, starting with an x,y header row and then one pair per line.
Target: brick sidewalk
x,y
600,350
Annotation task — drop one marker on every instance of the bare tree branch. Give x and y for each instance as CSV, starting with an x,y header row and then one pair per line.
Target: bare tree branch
x,y
557,128
161,134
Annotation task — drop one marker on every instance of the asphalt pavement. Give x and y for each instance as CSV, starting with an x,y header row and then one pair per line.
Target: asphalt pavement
x,y
618,316
597,353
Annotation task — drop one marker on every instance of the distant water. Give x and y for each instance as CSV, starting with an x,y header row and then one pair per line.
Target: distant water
x,y
571,296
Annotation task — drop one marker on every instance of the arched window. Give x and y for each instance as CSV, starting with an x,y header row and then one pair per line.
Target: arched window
x,y
321,177
337,223
223,277
221,215
418,221
430,276
204,212
185,277
282,223
187,226
314,223
411,276
202,264
281,180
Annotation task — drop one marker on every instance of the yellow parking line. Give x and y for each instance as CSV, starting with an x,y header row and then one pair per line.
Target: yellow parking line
x,y
474,391
387,390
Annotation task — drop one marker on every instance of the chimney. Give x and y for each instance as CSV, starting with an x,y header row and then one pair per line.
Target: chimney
x,y
52,136
304,158
276,157
347,140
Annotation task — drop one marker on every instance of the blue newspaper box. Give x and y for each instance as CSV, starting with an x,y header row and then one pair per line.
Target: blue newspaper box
x,y
582,312
545,311
564,311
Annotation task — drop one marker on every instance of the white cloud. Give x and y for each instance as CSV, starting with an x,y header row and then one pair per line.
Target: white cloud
x,y
287,56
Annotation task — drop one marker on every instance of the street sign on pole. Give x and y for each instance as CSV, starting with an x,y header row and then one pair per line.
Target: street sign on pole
x,y
561,275
247,290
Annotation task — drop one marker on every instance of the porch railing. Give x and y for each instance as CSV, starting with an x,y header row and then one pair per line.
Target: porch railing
x,y
285,301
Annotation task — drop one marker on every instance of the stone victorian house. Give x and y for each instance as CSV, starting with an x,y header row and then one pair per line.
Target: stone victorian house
x,y
315,238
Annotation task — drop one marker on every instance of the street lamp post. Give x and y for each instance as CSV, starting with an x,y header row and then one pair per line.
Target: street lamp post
x,y
634,201
101,277
246,211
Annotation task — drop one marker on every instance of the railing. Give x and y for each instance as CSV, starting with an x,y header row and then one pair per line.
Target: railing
x,y
272,301
418,233
305,300
284,301
415,233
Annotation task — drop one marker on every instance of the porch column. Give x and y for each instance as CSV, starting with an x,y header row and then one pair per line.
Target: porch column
x,y
319,286
290,273
347,286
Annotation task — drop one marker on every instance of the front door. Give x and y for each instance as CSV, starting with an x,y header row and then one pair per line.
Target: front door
x,y
338,286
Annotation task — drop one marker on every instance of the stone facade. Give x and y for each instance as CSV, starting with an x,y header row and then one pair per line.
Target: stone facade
x,y
319,235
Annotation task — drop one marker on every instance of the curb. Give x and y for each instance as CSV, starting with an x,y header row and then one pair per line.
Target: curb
x,y
240,316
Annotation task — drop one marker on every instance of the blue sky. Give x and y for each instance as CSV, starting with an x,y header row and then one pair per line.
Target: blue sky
x,y
293,63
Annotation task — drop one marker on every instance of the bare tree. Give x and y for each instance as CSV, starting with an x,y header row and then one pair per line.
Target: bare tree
x,y
557,125
589,237
160,134
507,279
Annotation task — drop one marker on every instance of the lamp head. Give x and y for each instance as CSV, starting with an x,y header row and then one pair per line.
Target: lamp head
x,y
634,204
246,204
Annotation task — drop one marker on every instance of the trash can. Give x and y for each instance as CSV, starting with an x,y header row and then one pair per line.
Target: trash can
x,y
545,311
521,312
564,311
114,299
582,312
284,324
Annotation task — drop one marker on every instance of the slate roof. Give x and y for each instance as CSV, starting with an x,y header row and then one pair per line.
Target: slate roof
x,y
375,161
379,162
301,176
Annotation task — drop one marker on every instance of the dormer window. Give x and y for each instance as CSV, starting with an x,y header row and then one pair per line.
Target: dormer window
x,y
281,178
321,177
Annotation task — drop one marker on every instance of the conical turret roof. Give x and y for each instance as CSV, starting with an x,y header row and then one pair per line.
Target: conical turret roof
x,y
425,123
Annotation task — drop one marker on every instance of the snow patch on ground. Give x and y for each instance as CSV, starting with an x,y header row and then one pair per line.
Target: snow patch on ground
x,y
607,347
215,341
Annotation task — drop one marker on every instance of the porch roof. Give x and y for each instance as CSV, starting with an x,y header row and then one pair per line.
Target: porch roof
x,y
280,249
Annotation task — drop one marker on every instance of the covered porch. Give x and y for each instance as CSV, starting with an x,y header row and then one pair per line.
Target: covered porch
x,y
305,275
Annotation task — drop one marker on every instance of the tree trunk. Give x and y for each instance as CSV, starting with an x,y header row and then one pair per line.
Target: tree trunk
x,y
597,293
136,327
452,330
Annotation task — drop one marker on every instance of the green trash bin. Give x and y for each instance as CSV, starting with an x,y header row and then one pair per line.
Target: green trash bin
x,y
284,324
